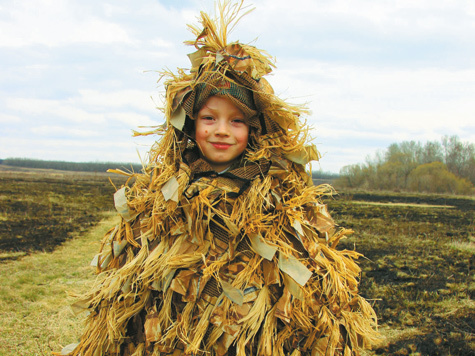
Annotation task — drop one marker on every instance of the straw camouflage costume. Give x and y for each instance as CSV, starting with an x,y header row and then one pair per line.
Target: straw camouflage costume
x,y
238,263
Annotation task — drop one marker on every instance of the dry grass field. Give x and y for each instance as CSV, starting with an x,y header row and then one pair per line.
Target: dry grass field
x,y
418,266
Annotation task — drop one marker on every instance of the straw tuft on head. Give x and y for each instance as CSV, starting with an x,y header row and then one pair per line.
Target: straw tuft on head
x,y
235,70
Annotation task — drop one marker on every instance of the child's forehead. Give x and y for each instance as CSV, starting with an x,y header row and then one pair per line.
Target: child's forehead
x,y
217,103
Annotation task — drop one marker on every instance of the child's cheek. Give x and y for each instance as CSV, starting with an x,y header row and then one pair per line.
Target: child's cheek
x,y
242,140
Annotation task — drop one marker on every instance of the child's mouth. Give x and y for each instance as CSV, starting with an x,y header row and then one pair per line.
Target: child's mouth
x,y
220,145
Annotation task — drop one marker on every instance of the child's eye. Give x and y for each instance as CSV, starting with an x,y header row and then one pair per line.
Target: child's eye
x,y
239,121
206,118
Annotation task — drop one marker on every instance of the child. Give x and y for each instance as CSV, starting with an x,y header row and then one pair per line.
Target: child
x,y
224,246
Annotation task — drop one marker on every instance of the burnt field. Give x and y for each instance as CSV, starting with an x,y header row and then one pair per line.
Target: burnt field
x,y
417,270
40,209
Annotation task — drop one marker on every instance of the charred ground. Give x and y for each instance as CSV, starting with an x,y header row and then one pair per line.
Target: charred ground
x,y
40,210
418,267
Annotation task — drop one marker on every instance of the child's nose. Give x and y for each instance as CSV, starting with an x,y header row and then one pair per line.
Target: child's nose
x,y
222,128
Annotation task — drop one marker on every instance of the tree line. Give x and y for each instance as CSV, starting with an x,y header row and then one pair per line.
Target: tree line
x,y
445,166
69,166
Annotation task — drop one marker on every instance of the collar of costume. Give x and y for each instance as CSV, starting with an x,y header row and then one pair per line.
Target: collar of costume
x,y
240,174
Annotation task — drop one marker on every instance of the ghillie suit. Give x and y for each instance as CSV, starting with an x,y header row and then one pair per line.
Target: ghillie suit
x,y
238,263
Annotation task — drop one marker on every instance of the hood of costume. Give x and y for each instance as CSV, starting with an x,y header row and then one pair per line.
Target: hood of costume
x,y
239,263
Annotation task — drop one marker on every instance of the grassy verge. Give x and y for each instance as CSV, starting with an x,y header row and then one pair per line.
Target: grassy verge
x,y
35,317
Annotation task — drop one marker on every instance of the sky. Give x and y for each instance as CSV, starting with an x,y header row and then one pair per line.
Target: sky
x,y
77,76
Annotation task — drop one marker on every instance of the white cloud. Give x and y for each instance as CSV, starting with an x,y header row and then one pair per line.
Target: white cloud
x,y
54,108
46,131
405,17
381,97
132,120
130,98
93,107
10,119
55,23
160,43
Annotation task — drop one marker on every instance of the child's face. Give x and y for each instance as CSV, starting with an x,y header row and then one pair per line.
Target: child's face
x,y
221,132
